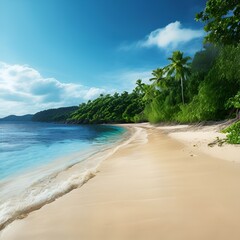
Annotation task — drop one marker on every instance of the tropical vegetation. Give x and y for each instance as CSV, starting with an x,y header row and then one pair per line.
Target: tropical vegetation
x,y
205,89
232,132
116,108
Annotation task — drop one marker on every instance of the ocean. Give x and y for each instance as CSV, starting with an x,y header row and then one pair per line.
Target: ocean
x,y
42,161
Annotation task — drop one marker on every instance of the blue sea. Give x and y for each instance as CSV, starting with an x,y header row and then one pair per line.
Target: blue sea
x,y
41,161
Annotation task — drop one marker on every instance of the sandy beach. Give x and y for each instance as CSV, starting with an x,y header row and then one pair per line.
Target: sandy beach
x,y
166,183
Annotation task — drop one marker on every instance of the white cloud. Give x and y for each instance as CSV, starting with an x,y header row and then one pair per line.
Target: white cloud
x,y
23,90
170,36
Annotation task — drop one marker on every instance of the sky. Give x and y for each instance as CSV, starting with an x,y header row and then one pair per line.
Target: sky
x,y
57,53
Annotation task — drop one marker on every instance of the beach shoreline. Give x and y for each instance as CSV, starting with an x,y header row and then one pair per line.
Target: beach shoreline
x,y
51,186
160,185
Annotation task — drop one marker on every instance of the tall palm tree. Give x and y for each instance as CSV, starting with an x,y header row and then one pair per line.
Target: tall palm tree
x,y
179,68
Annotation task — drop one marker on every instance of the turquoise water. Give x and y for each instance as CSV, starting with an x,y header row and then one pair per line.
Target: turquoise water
x,y
33,154
27,145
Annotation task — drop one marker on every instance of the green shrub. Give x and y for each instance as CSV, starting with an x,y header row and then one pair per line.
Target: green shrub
x,y
233,133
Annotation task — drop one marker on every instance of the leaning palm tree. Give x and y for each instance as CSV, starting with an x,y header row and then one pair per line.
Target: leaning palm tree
x,y
158,76
140,86
147,91
179,68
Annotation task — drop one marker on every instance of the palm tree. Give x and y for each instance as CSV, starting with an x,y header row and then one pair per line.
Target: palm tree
x,y
147,91
158,76
179,68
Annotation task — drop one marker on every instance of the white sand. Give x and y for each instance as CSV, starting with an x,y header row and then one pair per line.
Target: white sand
x,y
198,137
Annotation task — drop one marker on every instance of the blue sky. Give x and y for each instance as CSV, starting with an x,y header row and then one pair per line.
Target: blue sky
x,y
62,52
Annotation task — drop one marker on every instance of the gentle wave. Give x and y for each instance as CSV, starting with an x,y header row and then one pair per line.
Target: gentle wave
x,y
51,187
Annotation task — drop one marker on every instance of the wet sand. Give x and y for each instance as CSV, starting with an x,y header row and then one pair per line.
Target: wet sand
x,y
155,189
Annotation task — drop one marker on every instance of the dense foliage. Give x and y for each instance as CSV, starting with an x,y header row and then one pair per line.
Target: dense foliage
x,y
115,108
220,84
207,88
54,115
234,103
209,91
222,18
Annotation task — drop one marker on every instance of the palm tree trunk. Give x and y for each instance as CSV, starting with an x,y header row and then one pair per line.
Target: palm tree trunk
x,y
182,90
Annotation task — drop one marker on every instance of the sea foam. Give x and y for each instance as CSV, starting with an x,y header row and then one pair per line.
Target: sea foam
x,y
47,188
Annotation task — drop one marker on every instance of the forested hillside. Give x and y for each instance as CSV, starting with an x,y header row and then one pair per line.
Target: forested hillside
x,y
117,108
54,115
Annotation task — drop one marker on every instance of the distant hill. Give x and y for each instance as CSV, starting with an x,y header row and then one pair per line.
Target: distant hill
x,y
27,117
54,115
50,115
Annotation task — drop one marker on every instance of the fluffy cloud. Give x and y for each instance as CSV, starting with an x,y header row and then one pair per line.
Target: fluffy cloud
x,y
23,90
170,36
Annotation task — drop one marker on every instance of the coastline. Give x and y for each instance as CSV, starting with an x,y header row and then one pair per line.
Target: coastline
x,y
155,189
51,186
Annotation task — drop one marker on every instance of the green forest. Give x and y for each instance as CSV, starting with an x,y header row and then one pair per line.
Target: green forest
x,y
201,89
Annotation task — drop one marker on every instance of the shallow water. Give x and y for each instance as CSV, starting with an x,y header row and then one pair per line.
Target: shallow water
x,y
32,156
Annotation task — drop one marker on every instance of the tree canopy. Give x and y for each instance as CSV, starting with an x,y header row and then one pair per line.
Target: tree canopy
x,y
116,108
222,21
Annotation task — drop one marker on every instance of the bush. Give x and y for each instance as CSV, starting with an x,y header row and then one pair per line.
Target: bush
x,y
233,133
